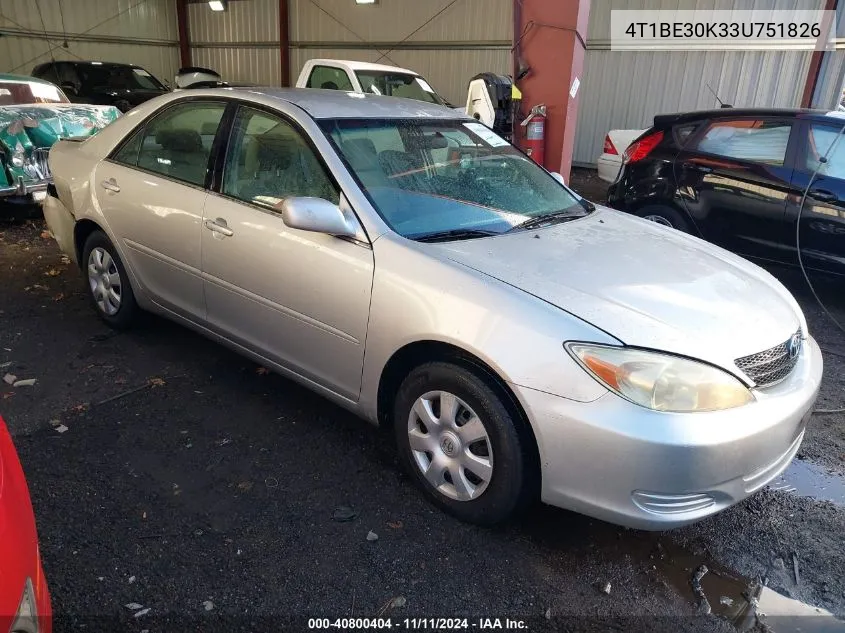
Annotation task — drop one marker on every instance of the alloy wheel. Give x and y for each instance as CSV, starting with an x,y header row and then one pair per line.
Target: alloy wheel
x,y
450,445
104,281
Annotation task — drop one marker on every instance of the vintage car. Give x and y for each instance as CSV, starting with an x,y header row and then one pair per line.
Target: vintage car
x,y
34,114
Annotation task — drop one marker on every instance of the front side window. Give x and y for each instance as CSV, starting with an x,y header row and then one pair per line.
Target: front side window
x,y
397,85
177,143
824,140
429,178
329,78
756,141
269,160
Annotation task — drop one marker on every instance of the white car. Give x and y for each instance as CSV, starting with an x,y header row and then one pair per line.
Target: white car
x,y
615,144
367,78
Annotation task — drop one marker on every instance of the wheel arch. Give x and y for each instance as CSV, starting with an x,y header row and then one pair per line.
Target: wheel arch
x,y
81,231
414,354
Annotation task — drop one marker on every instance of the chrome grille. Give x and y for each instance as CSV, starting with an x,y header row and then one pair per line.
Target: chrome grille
x,y
39,157
769,367
37,167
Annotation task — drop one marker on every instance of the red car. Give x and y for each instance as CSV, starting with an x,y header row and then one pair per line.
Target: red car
x,y
24,598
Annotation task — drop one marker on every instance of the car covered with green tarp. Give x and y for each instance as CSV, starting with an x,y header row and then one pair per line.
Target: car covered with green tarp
x,y
34,114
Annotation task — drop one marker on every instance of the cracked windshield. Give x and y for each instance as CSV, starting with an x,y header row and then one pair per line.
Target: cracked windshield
x,y
449,179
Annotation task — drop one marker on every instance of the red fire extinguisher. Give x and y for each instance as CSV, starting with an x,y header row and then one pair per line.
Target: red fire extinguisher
x,y
535,134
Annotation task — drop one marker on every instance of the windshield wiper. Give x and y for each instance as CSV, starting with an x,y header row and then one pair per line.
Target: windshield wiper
x,y
453,234
548,218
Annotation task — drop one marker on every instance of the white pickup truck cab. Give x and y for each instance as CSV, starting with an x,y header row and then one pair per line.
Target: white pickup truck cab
x,y
364,77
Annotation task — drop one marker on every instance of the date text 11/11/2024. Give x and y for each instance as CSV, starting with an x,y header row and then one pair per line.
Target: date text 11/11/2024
x,y
418,624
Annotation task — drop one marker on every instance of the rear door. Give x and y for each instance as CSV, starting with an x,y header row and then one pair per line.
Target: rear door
x,y
152,192
822,231
734,177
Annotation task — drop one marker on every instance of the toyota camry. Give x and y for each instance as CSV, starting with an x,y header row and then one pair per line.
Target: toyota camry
x,y
412,266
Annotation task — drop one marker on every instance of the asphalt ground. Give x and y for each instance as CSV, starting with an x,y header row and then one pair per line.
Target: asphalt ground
x,y
201,490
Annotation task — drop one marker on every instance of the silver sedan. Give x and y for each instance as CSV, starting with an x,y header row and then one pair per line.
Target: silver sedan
x,y
412,266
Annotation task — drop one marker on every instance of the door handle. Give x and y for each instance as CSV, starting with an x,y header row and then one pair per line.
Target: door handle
x,y
823,194
110,185
219,226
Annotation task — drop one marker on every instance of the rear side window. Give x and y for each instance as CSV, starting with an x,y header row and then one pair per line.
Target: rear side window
x,y
758,141
329,78
177,143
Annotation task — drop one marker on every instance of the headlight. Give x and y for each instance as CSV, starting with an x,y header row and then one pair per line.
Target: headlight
x,y
18,157
26,619
660,381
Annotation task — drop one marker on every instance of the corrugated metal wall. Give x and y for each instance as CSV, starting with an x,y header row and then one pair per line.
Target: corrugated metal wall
x,y
829,87
139,32
624,90
242,43
468,37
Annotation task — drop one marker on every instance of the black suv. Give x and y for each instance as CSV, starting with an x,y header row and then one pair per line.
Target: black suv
x,y
120,85
735,177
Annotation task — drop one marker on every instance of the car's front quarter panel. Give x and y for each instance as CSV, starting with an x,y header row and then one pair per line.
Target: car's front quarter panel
x,y
419,295
691,465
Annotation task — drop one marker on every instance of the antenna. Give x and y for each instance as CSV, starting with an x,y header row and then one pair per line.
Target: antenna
x,y
713,92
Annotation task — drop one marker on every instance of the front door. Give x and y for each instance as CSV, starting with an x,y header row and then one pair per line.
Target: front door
x,y
299,298
822,232
152,190
734,179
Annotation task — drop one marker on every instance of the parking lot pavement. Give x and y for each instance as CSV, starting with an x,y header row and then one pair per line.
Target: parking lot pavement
x,y
191,483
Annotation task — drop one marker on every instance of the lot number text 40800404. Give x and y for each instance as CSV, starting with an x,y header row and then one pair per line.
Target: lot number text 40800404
x,y
418,624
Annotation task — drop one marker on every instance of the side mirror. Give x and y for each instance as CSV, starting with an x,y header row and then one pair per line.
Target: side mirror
x,y
317,215
559,178
68,88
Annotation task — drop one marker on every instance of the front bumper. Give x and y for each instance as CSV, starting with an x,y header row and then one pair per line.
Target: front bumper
x,y
617,461
33,190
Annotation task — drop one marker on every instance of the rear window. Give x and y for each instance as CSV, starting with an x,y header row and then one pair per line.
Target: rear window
x,y
753,140
329,78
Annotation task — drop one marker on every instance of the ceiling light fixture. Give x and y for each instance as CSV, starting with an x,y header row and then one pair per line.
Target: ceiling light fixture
x,y
366,1
217,5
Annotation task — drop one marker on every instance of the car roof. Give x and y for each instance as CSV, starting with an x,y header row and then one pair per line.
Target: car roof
x,y
83,62
338,104
661,120
356,65
23,79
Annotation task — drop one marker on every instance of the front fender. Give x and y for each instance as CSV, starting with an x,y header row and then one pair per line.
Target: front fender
x,y
419,297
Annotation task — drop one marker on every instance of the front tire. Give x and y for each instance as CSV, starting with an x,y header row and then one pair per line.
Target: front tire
x,y
461,444
107,282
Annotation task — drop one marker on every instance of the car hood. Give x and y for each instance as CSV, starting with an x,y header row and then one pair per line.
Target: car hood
x,y
41,125
642,283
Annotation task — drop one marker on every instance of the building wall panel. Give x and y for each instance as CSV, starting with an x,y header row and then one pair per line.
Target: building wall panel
x,y
242,65
139,32
244,21
393,20
624,90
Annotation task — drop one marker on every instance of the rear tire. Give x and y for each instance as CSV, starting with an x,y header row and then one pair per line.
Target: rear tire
x,y
107,282
666,216
461,445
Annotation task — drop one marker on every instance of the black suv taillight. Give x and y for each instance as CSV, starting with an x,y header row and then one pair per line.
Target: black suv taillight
x,y
640,149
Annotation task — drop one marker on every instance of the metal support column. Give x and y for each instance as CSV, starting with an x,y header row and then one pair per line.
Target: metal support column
x,y
551,44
